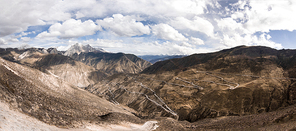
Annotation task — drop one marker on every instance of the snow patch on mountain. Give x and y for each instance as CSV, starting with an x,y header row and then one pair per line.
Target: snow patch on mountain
x,y
23,55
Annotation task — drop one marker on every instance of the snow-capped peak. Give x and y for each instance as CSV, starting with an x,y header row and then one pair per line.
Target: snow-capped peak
x,y
78,48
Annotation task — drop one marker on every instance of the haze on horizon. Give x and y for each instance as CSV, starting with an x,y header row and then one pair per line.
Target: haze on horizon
x,y
148,27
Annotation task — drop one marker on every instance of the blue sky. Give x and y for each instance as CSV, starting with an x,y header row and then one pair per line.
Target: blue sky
x,y
149,27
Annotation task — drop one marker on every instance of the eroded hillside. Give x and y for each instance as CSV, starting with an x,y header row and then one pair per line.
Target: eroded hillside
x,y
235,82
54,101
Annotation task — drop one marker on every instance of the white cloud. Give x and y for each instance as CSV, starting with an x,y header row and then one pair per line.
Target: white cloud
x,y
197,24
250,40
264,40
248,18
105,43
25,39
185,44
2,41
14,40
152,8
182,23
229,26
124,25
166,32
70,29
146,48
266,15
196,41
18,15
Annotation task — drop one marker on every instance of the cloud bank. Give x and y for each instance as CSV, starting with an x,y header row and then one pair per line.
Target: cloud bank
x,y
146,26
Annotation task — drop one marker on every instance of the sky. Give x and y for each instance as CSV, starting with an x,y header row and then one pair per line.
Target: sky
x,y
148,27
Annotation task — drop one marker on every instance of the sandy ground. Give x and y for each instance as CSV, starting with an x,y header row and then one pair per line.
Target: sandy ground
x,y
12,120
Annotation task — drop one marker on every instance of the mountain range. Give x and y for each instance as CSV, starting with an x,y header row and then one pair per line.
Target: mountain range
x,y
155,58
83,88
81,65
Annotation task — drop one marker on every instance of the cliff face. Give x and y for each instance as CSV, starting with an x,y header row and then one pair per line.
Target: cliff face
x,y
234,82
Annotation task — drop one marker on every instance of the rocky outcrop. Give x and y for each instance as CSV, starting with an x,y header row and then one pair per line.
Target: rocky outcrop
x,y
54,51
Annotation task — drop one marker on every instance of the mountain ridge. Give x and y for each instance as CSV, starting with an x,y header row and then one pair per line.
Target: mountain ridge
x,y
78,71
253,53
112,63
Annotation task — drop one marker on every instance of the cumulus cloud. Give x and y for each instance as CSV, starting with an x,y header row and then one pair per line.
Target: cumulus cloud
x,y
229,25
71,28
266,15
152,8
166,32
186,24
248,19
250,40
197,24
124,25
17,16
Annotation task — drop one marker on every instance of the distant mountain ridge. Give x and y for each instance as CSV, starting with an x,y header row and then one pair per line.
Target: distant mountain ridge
x,y
84,67
79,48
155,58
250,55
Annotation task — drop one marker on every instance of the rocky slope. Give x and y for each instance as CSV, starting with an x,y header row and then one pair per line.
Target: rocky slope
x,y
234,82
54,101
112,63
66,68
